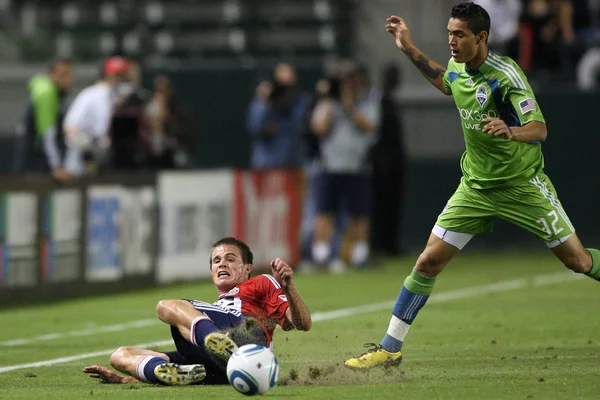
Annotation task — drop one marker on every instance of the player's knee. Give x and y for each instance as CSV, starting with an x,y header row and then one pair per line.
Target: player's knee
x,y
169,310
164,310
429,265
579,263
117,359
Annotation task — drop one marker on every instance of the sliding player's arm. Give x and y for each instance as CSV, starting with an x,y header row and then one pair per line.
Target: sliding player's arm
x,y
431,70
297,313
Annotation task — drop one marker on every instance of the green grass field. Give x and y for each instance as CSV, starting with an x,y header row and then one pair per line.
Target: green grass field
x,y
499,326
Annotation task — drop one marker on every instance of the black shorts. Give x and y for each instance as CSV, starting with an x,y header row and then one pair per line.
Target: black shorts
x,y
242,329
338,192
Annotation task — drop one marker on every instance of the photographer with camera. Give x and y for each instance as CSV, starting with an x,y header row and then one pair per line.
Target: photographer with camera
x,y
276,120
346,122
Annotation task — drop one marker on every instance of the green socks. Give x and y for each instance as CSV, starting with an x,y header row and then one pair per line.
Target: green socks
x,y
594,273
423,286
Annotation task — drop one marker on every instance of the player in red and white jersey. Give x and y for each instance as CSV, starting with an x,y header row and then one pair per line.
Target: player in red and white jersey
x,y
261,298
205,335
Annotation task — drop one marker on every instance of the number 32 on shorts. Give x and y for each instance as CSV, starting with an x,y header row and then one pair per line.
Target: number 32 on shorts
x,y
549,224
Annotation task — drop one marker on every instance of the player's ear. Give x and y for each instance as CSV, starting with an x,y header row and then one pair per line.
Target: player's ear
x,y
248,269
482,37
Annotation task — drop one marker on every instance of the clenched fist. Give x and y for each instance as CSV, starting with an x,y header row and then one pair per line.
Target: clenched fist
x,y
282,272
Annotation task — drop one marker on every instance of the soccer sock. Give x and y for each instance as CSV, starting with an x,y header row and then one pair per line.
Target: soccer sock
x,y
412,298
594,272
201,327
321,252
360,252
145,368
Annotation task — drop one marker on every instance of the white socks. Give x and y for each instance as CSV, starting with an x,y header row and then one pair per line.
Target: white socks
x,y
398,328
321,252
360,252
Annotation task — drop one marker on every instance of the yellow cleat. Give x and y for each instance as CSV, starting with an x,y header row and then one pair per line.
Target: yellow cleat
x,y
178,375
374,357
220,344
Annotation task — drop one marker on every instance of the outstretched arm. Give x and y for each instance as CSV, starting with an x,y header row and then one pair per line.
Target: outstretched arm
x,y
297,312
431,70
105,375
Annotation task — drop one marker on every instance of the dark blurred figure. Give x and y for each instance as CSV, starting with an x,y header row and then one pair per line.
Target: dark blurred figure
x,y
170,127
388,161
40,140
276,121
560,32
129,130
538,17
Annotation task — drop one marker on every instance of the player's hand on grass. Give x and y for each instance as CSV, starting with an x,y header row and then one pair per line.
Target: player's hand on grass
x,y
105,375
398,28
497,127
282,272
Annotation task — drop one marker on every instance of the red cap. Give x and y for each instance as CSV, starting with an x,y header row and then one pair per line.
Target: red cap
x,y
115,65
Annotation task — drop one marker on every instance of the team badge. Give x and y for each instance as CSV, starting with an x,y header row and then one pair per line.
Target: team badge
x,y
469,82
481,95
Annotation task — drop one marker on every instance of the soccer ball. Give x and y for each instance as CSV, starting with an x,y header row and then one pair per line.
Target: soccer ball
x,y
252,369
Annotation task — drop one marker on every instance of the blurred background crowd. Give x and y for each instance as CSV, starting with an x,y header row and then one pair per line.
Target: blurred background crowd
x,y
92,87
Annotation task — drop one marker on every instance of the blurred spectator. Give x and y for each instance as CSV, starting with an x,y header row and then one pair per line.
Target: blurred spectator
x,y
40,142
276,119
128,127
171,135
560,32
89,117
346,123
388,161
539,20
588,70
504,16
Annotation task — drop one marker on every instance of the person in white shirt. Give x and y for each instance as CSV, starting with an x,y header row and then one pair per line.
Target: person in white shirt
x,y
88,119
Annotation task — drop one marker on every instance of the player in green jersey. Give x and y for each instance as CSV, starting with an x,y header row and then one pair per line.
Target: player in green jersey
x,y
39,134
502,168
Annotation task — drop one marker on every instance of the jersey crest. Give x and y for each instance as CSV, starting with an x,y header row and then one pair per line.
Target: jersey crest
x,y
232,292
481,95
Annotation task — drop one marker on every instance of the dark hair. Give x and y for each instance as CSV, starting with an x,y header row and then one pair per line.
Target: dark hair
x,y
477,18
60,60
247,257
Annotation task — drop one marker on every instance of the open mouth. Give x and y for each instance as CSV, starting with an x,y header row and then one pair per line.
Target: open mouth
x,y
222,274
454,53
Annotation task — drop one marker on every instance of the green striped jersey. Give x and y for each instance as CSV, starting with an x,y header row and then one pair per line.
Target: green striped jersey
x,y
498,89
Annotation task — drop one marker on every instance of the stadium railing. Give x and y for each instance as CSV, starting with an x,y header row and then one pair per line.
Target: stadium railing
x,y
125,231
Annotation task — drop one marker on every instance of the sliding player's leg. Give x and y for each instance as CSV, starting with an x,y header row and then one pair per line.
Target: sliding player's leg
x,y
142,365
203,331
188,318
467,211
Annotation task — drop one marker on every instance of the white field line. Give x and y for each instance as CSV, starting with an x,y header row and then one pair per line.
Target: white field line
x,y
500,287
142,323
